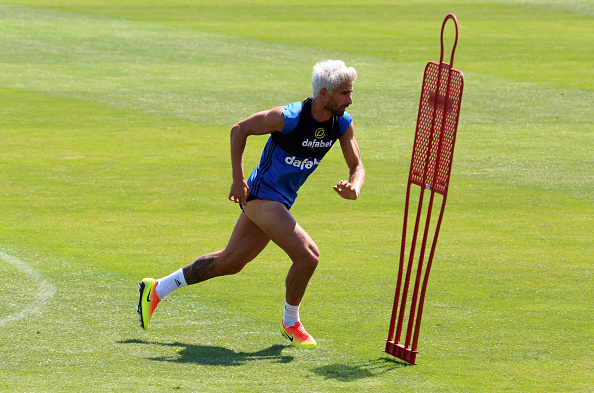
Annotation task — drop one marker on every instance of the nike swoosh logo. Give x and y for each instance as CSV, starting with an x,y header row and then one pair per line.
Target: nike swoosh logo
x,y
148,297
286,334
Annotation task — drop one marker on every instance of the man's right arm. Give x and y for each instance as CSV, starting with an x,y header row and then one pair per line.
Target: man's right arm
x,y
260,123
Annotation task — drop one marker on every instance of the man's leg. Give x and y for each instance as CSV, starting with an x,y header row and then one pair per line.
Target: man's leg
x,y
246,242
276,221
279,224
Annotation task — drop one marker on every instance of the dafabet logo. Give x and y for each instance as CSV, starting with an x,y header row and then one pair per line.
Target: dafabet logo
x,y
302,164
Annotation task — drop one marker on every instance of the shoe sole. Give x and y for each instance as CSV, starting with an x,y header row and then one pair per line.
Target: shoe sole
x,y
139,310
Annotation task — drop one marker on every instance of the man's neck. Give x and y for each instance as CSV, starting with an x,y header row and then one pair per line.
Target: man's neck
x,y
319,111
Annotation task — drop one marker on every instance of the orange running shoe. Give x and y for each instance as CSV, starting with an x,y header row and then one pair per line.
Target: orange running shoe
x,y
148,301
298,336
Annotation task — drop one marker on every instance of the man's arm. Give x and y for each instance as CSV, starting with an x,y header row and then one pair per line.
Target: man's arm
x,y
350,149
261,123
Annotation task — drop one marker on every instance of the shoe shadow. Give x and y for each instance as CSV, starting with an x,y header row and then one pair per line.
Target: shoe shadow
x,y
351,372
215,356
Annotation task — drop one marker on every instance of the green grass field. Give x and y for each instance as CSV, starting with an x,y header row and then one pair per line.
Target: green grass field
x,y
114,166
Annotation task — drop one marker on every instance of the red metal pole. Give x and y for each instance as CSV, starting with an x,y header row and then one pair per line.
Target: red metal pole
x,y
400,270
426,278
413,302
409,268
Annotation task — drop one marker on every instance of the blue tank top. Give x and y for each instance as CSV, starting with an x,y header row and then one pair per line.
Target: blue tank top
x,y
292,154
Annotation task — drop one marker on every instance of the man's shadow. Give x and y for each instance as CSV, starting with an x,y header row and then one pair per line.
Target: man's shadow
x,y
215,356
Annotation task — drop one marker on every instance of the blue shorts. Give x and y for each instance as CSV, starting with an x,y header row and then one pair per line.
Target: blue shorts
x,y
252,197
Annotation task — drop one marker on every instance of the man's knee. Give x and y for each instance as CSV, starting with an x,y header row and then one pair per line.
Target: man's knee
x,y
312,257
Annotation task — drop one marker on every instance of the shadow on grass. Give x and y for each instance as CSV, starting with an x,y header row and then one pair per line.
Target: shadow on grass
x,y
351,372
215,356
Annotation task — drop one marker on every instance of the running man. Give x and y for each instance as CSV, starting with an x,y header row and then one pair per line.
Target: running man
x,y
301,134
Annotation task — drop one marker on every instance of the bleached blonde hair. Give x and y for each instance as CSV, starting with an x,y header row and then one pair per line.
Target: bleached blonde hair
x,y
329,74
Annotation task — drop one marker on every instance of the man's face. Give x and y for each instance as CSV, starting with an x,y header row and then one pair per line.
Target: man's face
x,y
340,99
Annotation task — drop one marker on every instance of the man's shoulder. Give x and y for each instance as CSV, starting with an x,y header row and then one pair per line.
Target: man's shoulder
x,y
293,108
292,114
344,122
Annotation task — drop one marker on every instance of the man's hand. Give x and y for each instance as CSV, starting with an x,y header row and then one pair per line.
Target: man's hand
x,y
239,192
346,190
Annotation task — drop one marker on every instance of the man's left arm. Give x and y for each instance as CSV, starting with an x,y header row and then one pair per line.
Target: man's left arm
x,y
350,149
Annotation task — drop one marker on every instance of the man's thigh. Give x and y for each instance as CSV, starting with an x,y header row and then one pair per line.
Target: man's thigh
x,y
246,242
280,225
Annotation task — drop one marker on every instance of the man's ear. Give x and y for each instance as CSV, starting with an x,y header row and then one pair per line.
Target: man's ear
x,y
324,93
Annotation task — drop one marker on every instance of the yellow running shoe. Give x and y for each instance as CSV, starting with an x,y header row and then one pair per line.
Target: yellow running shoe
x,y
148,301
298,336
